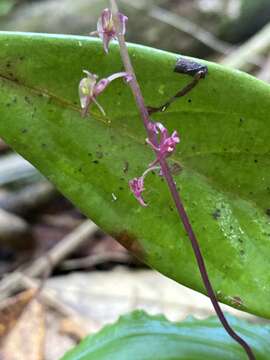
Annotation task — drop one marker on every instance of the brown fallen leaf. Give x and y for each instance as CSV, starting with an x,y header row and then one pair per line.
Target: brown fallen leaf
x,y
56,343
12,308
26,340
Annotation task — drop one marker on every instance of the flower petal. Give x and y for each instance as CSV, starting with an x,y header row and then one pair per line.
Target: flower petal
x,y
106,29
137,187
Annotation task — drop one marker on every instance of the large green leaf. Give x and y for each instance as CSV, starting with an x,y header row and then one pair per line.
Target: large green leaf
x,y
139,336
224,155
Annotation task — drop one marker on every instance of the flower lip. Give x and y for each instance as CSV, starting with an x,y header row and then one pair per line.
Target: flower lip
x,y
106,20
166,144
137,185
106,29
89,88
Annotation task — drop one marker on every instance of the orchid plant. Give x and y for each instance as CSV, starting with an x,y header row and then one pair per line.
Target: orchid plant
x,y
112,25
119,176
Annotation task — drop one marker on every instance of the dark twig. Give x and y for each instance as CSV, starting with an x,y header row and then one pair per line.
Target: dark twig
x,y
69,243
199,75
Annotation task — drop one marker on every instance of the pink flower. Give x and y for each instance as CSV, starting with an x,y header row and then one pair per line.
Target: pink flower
x,y
137,187
106,29
89,88
166,144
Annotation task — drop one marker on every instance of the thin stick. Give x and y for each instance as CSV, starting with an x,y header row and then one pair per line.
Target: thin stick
x,y
258,45
60,251
49,297
194,30
184,25
171,184
95,259
264,73
65,247
181,93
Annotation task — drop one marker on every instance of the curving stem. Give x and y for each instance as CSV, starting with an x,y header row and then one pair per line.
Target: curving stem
x,y
171,184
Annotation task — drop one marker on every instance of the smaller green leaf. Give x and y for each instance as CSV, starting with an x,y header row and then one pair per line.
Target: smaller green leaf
x,y
139,336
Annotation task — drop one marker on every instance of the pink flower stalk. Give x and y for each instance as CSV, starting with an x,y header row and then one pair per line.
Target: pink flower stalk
x,y
106,29
164,145
89,88
165,148
167,143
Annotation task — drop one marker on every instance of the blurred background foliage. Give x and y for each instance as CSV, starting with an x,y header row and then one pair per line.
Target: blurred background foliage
x,y
150,21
